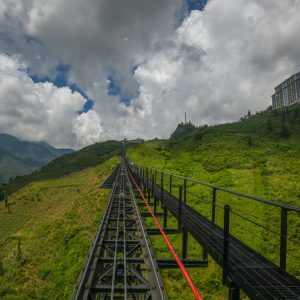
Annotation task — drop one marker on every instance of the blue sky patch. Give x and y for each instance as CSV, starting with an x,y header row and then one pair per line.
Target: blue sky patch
x,y
32,40
6,38
187,8
114,86
61,80
196,4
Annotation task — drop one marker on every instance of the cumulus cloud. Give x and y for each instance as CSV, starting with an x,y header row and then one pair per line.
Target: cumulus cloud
x,y
221,62
215,66
87,128
92,36
38,111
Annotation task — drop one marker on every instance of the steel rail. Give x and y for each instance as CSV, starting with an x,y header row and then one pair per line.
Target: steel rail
x,y
107,275
259,199
144,235
248,268
124,242
116,252
86,270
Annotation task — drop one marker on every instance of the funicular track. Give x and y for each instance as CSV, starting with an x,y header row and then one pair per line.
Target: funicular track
x,y
121,264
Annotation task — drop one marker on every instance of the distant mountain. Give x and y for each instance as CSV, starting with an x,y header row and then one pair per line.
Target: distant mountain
x,y
137,141
20,157
89,156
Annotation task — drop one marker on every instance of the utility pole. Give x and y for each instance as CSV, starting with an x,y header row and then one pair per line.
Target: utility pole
x,y
185,118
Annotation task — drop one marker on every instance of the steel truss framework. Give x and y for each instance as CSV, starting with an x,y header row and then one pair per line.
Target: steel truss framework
x,y
121,264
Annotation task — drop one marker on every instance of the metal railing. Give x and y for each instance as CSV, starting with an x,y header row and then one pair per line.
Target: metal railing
x,y
153,174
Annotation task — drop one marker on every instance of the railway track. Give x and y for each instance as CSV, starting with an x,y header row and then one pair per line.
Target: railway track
x,y
121,264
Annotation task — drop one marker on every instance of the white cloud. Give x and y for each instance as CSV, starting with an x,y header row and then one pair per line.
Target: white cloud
x,y
87,128
218,64
37,111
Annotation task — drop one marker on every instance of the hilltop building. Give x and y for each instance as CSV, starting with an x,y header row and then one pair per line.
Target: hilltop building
x,y
287,93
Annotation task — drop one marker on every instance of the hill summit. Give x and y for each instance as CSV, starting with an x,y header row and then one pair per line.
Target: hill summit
x,y
183,130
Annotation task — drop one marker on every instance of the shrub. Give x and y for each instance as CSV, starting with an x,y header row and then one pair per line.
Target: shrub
x,y
198,136
250,141
284,131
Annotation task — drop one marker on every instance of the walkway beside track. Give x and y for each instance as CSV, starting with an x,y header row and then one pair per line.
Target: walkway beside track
x,y
258,277
121,264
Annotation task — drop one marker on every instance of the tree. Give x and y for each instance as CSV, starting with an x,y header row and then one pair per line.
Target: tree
x,y
284,131
249,113
296,113
250,141
2,195
198,135
270,126
275,112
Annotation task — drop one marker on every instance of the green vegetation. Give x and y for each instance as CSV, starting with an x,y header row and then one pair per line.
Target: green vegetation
x,y
254,156
67,164
183,130
46,229
60,209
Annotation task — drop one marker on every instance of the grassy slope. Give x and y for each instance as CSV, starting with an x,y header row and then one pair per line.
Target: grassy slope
x,y
45,237
87,157
62,214
247,156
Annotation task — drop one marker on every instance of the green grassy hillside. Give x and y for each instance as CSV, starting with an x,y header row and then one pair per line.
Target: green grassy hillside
x,y
259,155
46,231
49,225
87,157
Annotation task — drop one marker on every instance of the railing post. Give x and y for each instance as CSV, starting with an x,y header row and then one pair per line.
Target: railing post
x,y
171,177
204,254
165,217
147,174
180,208
234,291
184,190
152,185
162,189
283,234
184,243
155,204
139,176
144,180
213,208
144,175
226,242
149,195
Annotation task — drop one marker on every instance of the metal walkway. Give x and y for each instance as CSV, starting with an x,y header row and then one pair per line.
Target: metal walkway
x,y
246,269
121,264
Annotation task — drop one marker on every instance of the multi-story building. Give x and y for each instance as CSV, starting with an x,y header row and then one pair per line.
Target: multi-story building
x,y
287,93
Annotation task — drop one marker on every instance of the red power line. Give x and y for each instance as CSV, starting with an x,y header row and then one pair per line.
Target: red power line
x,y
179,262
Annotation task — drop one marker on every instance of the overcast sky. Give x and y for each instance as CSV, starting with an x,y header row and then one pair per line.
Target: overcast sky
x,y
74,72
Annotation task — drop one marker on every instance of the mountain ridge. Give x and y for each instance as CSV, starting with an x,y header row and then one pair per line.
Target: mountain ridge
x,y
18,157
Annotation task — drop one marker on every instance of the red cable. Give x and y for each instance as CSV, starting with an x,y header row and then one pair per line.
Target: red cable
x,y
179,262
